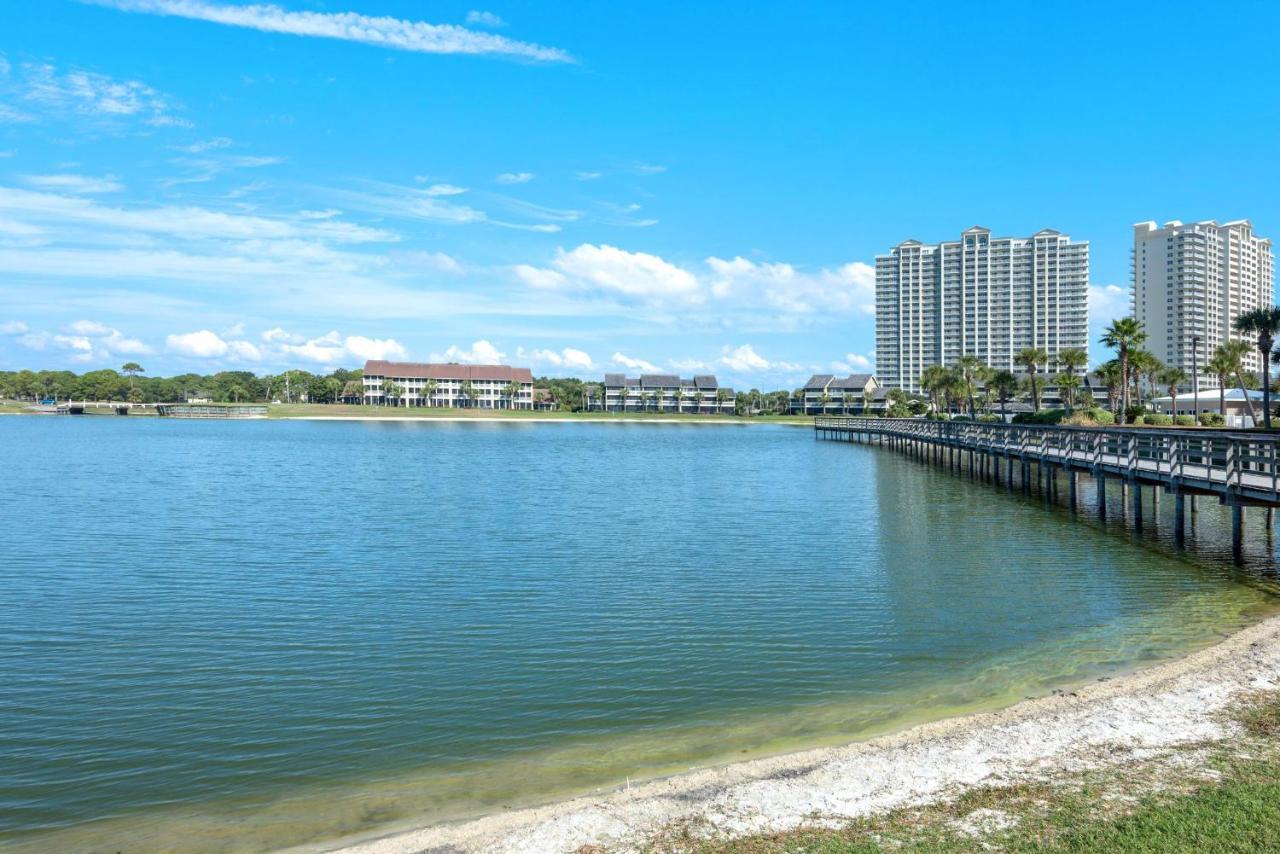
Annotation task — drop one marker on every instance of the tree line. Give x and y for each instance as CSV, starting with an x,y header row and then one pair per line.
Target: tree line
x,y
131,383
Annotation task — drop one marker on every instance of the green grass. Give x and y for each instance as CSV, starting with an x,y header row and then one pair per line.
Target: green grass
x,y
300,410
1222,797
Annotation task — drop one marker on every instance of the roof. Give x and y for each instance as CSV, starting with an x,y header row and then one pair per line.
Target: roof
x,y
659,381
614,380
1211,395
706,381
853,382
818,382
428,370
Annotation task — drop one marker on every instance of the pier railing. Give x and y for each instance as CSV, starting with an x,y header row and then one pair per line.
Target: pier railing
x,y
1236,464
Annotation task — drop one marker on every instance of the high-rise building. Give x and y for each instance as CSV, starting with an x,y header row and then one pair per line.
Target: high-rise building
x,y
979,295
1192,281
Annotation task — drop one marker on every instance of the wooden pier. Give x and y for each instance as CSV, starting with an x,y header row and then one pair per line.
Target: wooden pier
x,y
1239,469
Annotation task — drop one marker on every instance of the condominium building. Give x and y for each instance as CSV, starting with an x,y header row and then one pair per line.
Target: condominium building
x,y
664,393
829,393
453,385
980,295
1191,281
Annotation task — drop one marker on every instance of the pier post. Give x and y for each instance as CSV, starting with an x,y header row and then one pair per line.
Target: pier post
x,y
1179,519
1009,478
1073,487
1101,480
1026,476
1237,530
1137,506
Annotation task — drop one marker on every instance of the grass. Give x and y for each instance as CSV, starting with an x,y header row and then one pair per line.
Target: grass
x,y
1219,797
301,410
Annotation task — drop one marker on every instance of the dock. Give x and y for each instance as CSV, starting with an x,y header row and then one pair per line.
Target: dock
x,y
1239,469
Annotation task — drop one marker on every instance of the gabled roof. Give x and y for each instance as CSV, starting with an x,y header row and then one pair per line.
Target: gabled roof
x,y
818,382
706,381
614,380
853,382
428,370
659,381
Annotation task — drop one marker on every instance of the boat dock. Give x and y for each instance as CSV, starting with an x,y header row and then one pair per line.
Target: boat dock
x,y
1239,469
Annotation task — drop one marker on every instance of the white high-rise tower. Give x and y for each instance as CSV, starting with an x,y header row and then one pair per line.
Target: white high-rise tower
x,y
980,295
1192,281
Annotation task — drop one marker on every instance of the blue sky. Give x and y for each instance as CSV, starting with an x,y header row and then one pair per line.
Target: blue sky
x,y
582,186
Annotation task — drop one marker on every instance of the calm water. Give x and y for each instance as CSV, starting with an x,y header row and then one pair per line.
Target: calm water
x,y
230,636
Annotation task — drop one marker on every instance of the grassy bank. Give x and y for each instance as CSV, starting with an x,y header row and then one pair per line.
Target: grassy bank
x,y
1217,796
324,410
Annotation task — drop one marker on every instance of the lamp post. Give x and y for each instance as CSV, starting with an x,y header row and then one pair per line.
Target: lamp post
x,y
1195,375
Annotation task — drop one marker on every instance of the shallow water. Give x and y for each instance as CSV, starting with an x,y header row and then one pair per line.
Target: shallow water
x,y
238,635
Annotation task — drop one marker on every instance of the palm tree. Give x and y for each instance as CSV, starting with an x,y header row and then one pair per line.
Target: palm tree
x,y
1031,358
867,397
622,398
1265,324
1171,378
1220,366
1071,360
390,392
933,379
429,389
465,391
1123,335
132,369
679,396
509,391
1143,363
972,370
1233,352
1067,385
723,394
825,400
1005,384
1113,378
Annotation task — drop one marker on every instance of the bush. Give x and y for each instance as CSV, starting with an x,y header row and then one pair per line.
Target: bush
x,y
1212,419
1137,420
1102,416
1185,420
1044,416
1133,413
1158,419
989,419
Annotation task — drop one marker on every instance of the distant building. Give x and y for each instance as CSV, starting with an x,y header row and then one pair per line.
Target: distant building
x,y
1230,403
1192,281
418,384
980,295
664,393
829,393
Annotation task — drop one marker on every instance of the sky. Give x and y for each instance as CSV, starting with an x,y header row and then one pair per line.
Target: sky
x,y
581,187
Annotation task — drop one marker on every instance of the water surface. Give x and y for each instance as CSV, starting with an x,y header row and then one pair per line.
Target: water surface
x,y
238,635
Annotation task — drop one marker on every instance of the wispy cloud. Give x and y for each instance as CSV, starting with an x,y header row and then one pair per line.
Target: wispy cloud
x,y
36,90
514,178
80,184
484,19
380,31
588,176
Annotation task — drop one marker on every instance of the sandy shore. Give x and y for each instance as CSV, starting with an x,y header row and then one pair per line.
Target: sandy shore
x,y
1167,705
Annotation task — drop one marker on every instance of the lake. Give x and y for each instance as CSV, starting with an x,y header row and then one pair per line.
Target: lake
x,y
237,635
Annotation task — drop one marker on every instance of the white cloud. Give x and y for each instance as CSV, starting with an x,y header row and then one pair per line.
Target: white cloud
x,y
85,341
1108,302
235,330
106,338
848,289
417,36
539,277
649,168
244,351
13,327
515,178
279,336
629,274
206,145
745,359
624,361
859,361
374,348
484,19
43,88
588,176
444,190
481,353
199,345
689,365
568,358
75,183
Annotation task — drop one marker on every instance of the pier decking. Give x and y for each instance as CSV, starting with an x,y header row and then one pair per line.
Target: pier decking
x,y
1239,469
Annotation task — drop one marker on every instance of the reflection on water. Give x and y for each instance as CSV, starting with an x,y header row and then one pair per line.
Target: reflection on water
x,y
232,636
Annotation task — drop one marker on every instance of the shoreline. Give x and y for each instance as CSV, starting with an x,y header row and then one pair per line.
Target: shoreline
x,y
1158,707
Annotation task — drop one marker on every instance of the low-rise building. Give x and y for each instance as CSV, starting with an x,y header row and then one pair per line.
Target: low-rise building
x,y
1230,403
448,385
664,393
827,393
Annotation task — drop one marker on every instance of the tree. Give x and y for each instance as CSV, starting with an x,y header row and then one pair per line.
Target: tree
x,y
1171,378
1112,377
933,380
722,394
131,370
1006,385
1265,324
897,403
1031,358
509,391
1233,353
1123,335
972,371
467,391
391,391
1067,385
429,392
1220,366
679,400
1071,360
825,400
135,395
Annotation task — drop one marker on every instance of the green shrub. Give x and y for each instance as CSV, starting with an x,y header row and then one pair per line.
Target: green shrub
x,y
1102,416
1212,419
989,419
1137,420
1185,420
1044,416
1134,412
1158,419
